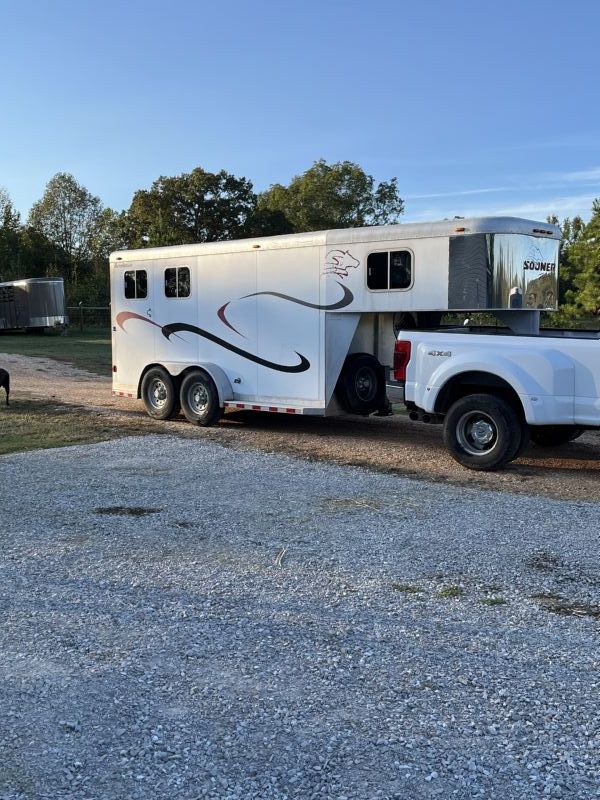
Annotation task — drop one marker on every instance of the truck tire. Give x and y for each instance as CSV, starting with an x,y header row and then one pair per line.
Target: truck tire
x,y
524,443
159,394
483,432
554,435
361,385
200,399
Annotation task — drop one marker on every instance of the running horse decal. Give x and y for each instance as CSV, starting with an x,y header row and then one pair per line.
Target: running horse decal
x,y
338,262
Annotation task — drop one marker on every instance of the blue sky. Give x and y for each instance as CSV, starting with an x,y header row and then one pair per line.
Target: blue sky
x,y
476,107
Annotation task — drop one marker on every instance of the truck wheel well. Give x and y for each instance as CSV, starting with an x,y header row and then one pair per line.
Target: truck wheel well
x,y
476,383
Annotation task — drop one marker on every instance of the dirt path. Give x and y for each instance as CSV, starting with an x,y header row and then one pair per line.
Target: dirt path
x,y
392,444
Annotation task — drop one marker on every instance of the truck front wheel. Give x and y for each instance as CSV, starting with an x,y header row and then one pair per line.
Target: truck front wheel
x,y
482,432
200,399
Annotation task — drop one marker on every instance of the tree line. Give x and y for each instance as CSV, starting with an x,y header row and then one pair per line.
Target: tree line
x,y
70,233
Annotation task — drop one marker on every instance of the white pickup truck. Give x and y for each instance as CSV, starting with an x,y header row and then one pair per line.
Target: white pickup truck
x,y
494,390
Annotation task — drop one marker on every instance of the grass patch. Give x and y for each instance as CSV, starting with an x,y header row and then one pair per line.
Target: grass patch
x,y
91,351
407,588
450,591
493,601
33,425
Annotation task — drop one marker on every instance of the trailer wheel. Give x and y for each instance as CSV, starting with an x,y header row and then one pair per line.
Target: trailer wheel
x,y
200,399
482,432
555,435
361,385
159,394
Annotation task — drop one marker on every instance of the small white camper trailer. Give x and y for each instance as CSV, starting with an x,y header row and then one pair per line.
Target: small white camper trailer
x,y
304,323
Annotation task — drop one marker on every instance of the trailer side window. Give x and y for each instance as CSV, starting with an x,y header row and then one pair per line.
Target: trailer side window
x,y
177,282
400,269
136,284
389,270
377,270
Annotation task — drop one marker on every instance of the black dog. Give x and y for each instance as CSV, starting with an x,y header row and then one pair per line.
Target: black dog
x,y
5,382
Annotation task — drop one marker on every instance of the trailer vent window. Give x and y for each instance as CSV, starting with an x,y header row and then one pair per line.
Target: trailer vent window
x,y
177,282
7,294
136,284
389,270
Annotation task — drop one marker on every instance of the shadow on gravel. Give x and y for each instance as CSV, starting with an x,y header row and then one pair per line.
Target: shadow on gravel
x,y
558,605
128,511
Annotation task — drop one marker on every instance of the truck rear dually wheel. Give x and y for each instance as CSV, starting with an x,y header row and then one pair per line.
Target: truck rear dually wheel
x,y
483,432
200,399
159,394
554,435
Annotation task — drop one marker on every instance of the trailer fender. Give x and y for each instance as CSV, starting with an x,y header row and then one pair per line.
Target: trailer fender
x,y
220,380
179,371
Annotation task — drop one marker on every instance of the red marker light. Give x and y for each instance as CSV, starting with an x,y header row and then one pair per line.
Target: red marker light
x,y
401,359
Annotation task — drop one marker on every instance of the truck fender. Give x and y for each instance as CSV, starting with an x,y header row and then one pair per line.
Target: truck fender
x,y
554,374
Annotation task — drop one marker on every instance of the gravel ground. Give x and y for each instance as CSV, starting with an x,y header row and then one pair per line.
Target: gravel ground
x,y
182,620
391,444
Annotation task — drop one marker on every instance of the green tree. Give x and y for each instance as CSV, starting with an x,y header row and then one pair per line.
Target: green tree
x,y
584,254
572,230
339,195
10,219
111,234
68,216
198,206
9,236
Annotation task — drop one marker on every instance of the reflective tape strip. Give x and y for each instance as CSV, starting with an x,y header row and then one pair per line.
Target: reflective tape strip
x,y
253,407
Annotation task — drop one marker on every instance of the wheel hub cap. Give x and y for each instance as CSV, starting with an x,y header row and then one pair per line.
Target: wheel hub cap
x,y
477,433
158,394
199,398
482,432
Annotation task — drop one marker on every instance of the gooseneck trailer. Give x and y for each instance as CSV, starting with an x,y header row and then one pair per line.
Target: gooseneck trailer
x,y
314,323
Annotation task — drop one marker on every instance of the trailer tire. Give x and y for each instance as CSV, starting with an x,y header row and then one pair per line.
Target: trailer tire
x,y
200,399
483,432
555,435
159,394
361,385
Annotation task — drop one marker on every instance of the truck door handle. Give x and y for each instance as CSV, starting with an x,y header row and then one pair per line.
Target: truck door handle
x,y
149,312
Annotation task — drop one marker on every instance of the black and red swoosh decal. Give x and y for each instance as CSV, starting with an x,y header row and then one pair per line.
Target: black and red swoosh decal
x,y
175,327
345,301
347,298
169,330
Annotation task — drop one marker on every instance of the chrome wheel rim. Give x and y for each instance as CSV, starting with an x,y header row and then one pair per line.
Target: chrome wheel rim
x,y
477,433
198,398
158,394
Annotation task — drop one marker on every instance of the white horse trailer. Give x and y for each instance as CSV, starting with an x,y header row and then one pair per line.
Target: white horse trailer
x,y
304,323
